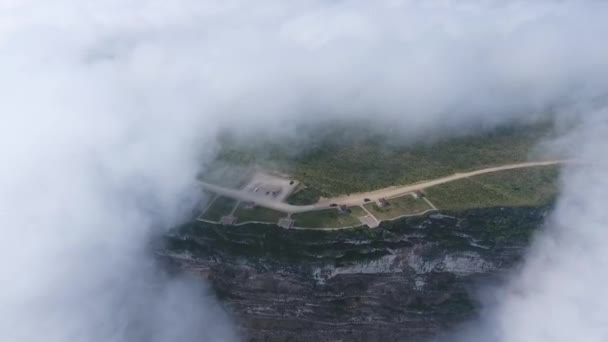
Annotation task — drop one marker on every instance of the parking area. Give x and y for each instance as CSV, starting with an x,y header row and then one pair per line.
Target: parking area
x,y
270,186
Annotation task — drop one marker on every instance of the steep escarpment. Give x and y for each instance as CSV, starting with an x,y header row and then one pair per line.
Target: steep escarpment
x,y
407,280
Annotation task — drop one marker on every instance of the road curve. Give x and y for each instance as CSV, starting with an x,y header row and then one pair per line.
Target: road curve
x,y
359,198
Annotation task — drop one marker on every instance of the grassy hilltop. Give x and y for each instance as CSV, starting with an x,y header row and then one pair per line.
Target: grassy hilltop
x,y
366,161
342,161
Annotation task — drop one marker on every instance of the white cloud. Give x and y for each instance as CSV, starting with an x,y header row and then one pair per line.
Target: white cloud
x,y
109,107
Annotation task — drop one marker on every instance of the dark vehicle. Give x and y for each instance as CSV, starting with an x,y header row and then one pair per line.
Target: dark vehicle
x,y
333,205
366,200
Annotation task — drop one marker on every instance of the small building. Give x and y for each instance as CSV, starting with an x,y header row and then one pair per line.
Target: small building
x,y
383,202
249,205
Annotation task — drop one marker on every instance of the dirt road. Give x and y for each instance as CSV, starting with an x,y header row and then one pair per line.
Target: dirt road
x,y
359,198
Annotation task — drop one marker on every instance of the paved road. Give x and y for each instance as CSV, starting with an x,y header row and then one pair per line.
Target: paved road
x,y
359,198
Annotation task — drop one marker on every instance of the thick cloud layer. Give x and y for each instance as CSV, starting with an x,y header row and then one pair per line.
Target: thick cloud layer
x,y
110,107
558,293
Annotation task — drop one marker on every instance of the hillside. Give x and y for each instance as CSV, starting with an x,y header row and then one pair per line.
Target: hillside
x,y
348,159
336,163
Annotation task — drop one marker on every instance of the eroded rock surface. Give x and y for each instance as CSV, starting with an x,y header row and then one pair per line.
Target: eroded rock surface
x,y
404,281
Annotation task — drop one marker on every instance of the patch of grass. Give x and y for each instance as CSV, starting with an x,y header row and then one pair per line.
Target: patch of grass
x,y
404,205
304,196
534,186
258,214
220,207
463,194
328,218
357,211
530,186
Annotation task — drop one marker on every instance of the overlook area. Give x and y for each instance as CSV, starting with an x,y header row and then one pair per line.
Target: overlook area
x,y
349,178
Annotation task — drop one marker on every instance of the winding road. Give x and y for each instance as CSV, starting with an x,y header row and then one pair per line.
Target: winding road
x,y
359,198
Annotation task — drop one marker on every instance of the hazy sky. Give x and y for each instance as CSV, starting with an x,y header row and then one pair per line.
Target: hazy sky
x,y
110,107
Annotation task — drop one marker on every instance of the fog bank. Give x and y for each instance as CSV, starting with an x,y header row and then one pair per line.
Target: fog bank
x,y
110,108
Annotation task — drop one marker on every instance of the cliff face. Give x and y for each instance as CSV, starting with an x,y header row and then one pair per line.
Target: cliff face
x,y
405,281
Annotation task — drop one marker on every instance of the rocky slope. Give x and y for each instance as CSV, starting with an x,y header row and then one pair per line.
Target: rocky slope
x,y
405,281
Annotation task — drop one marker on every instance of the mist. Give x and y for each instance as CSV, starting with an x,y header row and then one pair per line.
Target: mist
x,y
110,109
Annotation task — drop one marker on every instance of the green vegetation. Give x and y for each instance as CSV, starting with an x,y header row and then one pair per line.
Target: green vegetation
x,y
304,196
526,187
353,159
515,188
329,218
347,159
404,205
220,207
257,214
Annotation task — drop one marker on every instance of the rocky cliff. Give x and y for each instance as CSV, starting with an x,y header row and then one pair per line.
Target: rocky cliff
x,y
405,281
